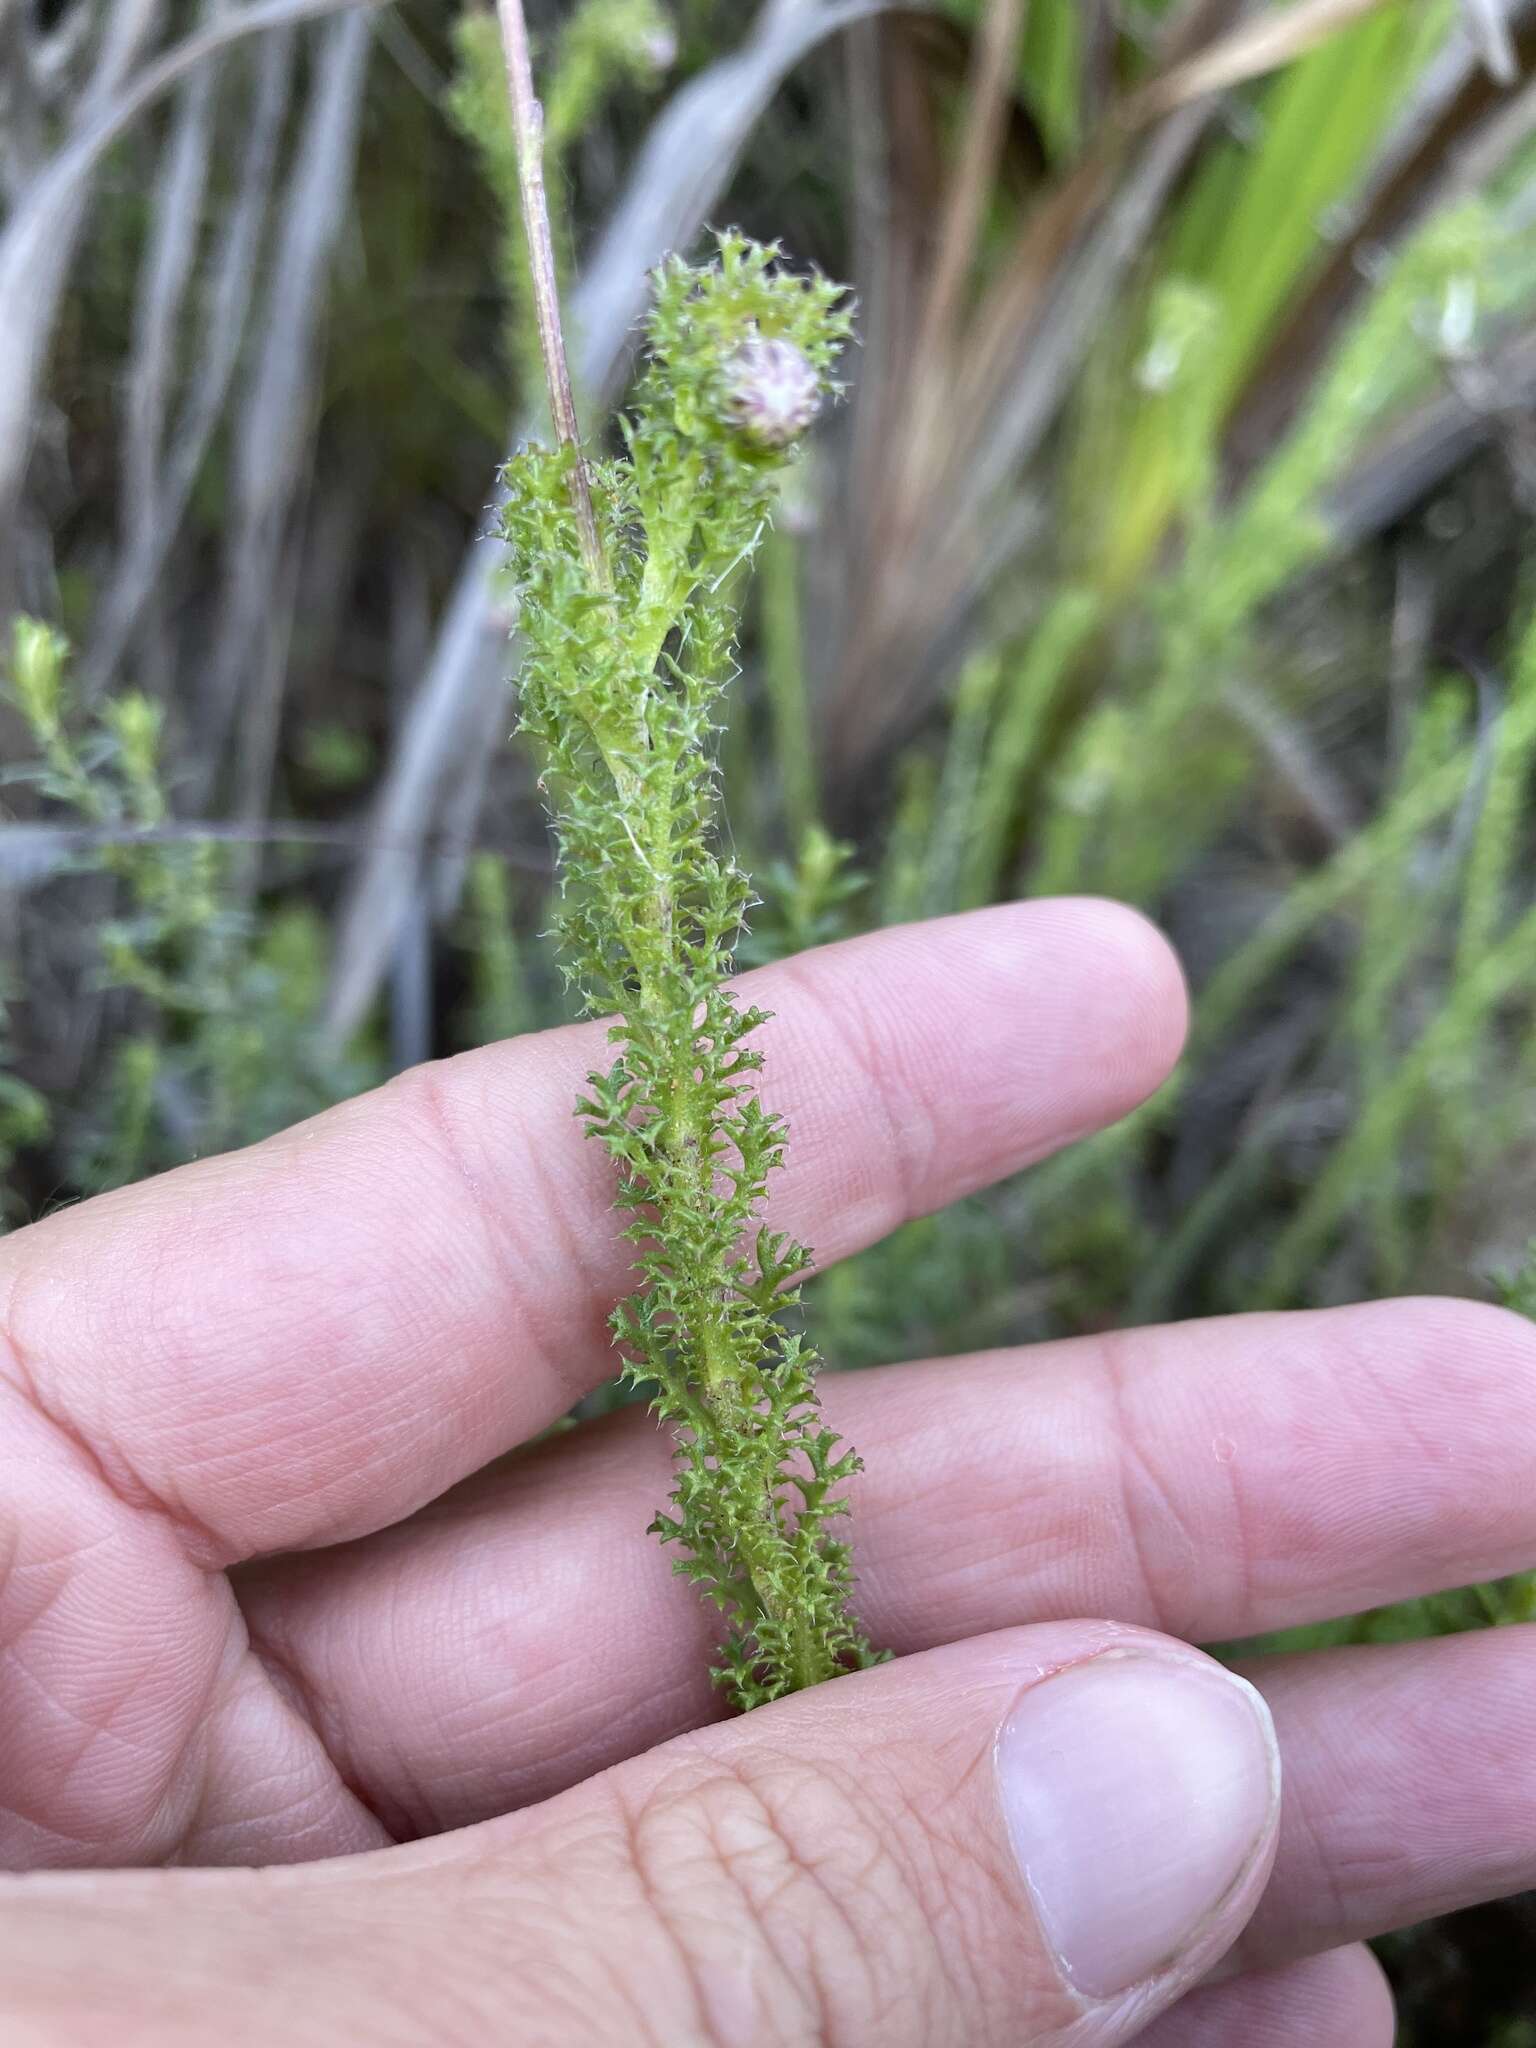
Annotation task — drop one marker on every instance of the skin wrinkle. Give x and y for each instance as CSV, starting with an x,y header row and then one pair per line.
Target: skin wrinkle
x,y
1347,1875
853,1030
1153,1006
1204,1552
1005,1521
200,1545
407,1804
203,1741
1338,2000
285,1673
144,1826
425,1086
151,1824
192,1763
1131,1466
69,1559
759,1909
1371,1800
831,1901
1372,1365
300,1503
696,1805
909,1856
921,1832
204,1832
1242,1553
89,1733
290,1686
1370,1379
629,1819
317,1428
1368,1364
92,1731
1024,1537
61,1567
325,1711
583,1734
1297,1818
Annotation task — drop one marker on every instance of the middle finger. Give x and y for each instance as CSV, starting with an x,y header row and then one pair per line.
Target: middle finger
x,y
1212,1480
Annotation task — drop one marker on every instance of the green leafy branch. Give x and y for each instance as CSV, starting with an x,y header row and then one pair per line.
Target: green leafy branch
x,y
214,1002
627,571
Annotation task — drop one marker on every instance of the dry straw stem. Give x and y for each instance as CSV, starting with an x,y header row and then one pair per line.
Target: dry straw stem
x,y
993,61
32,853
1272,39
926,372
528,128
40,235
273,440
152,515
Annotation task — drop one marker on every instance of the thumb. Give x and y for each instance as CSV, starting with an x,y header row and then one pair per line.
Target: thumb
x,y
1042,1836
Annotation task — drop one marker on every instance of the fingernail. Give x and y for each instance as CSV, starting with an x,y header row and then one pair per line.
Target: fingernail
x,y
1138,1791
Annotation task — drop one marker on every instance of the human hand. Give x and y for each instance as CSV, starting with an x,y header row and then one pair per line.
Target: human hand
x,y
1031,1828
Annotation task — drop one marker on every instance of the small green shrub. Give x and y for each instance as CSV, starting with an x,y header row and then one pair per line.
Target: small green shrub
x,y
213,1001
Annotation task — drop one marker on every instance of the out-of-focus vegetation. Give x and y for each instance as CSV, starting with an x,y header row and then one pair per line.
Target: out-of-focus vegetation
x,y
1174,543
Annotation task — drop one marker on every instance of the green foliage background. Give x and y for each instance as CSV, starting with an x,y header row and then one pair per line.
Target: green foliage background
x,y
1245,635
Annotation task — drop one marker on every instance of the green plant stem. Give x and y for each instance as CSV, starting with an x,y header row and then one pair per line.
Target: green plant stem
x,y
784,678
1026,701
1251,964
657,956
1491,981
629,644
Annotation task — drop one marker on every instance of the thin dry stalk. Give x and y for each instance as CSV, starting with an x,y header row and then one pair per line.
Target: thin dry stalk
x,y
1268,42
274,444
994,57
164,276
896,168
214,354
36,252
39,239
528,128
929,367
1487,23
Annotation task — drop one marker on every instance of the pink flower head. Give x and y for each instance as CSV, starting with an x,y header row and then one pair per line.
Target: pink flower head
x,y
772,390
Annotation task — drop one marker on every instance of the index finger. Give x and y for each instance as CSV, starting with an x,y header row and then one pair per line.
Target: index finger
x,y
304,1341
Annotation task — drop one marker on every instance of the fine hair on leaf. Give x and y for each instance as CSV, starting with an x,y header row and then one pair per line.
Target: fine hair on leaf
x,y
625,665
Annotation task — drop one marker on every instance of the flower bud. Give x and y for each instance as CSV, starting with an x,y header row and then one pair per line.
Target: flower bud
x,y
772,392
